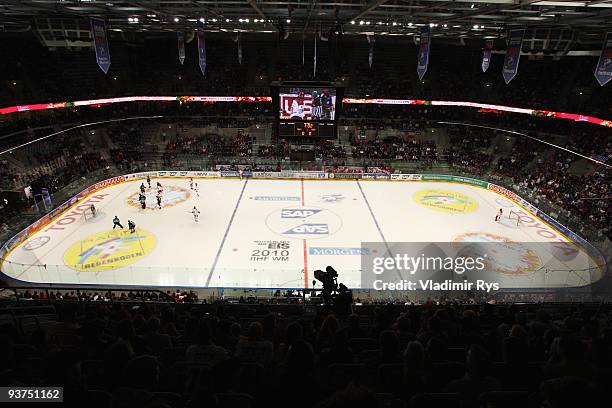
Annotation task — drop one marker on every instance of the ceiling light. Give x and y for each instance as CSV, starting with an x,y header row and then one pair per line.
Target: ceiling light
x,y
176,19
394,23
361,22
288,21
353,22
214,20
227,20
367,23
246,20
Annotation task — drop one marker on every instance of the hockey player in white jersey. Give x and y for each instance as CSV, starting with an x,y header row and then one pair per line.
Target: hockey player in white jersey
x,y
196,213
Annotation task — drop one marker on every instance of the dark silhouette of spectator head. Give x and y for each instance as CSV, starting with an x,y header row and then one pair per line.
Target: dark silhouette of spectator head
x,y
255,332
414,356
300,357
478,362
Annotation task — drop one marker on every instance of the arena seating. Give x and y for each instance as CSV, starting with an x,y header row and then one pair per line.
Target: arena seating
x,y
135,352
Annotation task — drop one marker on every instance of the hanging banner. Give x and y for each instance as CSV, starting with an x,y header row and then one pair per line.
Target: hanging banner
x,y
240,48
181,46
486,55
314,72
98,32
371,41
513,55
603,72
424,46
202,52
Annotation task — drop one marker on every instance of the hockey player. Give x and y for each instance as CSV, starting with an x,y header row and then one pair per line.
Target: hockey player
x,y
317,110
117,223
499,215
92,208
159,197
143,201
131,226
327,106
149,181
191,183
142,188
196,190
195,213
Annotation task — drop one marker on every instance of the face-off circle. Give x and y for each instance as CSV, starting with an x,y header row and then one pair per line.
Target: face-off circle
x,y
109,250
445,201
171,196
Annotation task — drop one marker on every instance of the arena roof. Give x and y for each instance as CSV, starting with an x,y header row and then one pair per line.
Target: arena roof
x,y
457,18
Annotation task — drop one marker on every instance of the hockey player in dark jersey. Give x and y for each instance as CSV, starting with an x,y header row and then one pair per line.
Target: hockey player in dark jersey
x,y
316,105
327,105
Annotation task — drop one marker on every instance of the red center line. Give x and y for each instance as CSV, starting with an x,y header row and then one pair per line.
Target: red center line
x,y
305,246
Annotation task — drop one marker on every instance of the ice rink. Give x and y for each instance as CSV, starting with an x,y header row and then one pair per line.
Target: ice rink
x,y
275,233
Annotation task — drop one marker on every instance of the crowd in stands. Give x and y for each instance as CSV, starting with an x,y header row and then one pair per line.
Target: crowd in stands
x,y
395,148
586,196
153,355
469,147
209,145
178,296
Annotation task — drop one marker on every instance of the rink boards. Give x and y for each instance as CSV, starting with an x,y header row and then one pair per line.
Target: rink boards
x,y
274,229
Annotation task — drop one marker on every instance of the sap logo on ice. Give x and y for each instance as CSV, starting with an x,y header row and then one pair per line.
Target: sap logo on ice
x,y
277,198
299,213
309,229
338,251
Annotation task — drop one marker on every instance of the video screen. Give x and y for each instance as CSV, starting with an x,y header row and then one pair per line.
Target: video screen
x,y
307,103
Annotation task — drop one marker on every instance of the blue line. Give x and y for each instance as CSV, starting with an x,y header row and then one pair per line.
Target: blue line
x,y
373,216
229,225
399,275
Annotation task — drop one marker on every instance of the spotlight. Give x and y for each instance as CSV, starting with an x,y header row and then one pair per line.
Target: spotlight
x,y
176,19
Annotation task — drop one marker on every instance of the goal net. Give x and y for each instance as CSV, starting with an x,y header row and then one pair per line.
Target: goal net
x,y
88,215
515,218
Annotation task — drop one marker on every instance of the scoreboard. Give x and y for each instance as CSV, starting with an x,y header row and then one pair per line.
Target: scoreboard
x,y
307,110
303,129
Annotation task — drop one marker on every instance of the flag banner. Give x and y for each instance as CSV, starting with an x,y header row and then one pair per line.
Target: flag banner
x,y
314,72
240,48
371,41
424,46
181,46
202,52
513,55
98,32
603,72
486,55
